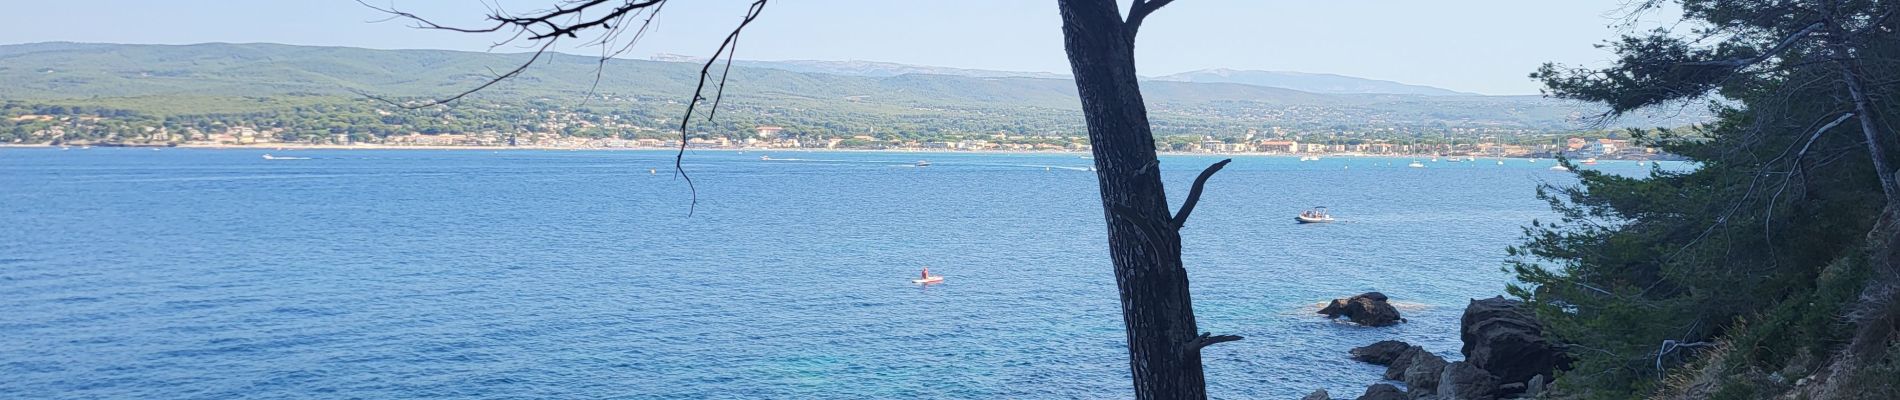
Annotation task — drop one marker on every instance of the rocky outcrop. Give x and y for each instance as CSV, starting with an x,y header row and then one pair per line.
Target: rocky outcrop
x,y
1396,369
1383,391
1422,373
1369,309
1381,353
1464,381
1506,355
1502,337
1318,395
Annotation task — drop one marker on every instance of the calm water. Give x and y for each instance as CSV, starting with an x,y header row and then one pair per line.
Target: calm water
x,y
131,273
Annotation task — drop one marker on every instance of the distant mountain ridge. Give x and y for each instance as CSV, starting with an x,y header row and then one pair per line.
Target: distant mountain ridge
x,y
1308,82
250,77
866,68
1301,81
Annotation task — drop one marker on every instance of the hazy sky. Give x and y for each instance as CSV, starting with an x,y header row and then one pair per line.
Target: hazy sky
x,y
1483,46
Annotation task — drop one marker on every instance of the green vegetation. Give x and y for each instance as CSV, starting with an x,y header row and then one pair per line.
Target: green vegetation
x,y
317,92
1754,262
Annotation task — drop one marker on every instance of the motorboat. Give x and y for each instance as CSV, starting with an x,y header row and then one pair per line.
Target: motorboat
x,y
1558,168
1314,216
271,157
1590,161
765,158
923,163
1416,164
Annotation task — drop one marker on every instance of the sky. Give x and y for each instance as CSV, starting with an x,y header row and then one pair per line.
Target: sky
x,y
1481,46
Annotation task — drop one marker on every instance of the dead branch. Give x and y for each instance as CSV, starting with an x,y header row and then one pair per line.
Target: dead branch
x,y
565,20
1209,339
1194,194
1139,11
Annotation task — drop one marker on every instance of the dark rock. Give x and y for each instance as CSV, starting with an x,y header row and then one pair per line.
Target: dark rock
x,y
1501,336
1382,391
1381,353
1422,373
1535,387
1369,309
1464,381
1318,395
1396,369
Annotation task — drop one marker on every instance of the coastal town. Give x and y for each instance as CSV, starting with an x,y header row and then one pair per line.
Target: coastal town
x,y
1275,142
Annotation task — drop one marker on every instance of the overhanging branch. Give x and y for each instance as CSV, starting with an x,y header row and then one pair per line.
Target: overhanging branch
x,y
1209,339
1194,194
566,20
1739,63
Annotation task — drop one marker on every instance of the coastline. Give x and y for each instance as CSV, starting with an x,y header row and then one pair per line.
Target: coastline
x,y
304,147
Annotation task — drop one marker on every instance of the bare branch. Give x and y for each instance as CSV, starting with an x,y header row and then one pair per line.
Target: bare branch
x,y
1209,339
705,71
1194,194
1139,11
566,20
458,96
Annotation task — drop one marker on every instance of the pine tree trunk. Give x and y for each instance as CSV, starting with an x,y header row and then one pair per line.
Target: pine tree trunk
x,y
1142,239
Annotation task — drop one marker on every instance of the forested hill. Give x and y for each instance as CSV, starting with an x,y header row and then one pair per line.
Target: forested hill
x,y
234,78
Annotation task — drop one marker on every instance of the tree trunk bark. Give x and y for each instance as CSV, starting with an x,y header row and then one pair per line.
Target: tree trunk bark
x,y
1864,112
1143,241
1876,313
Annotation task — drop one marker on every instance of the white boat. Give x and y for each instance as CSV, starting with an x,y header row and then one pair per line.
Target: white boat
x,y
923,163
765,158
271,157
1470,158
1415,164
1434,158
1500,161
1314,216
1640,163
1558,168
1590,161
1309,158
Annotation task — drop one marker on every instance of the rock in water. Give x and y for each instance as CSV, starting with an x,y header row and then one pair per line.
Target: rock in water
x,y
1382,391
1502,337
1369,309
1422,374
1318,395
1396,370
1464,381
1381,353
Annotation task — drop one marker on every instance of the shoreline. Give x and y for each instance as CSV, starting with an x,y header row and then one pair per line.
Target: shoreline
x,y
303,147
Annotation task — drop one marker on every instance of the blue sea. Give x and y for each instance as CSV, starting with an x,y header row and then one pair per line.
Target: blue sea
x,y
381,274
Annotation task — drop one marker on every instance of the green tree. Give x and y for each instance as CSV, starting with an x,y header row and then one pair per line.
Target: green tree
x,y
1786,222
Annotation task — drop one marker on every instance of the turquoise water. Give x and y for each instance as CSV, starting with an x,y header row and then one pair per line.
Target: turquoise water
x,y
131,273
